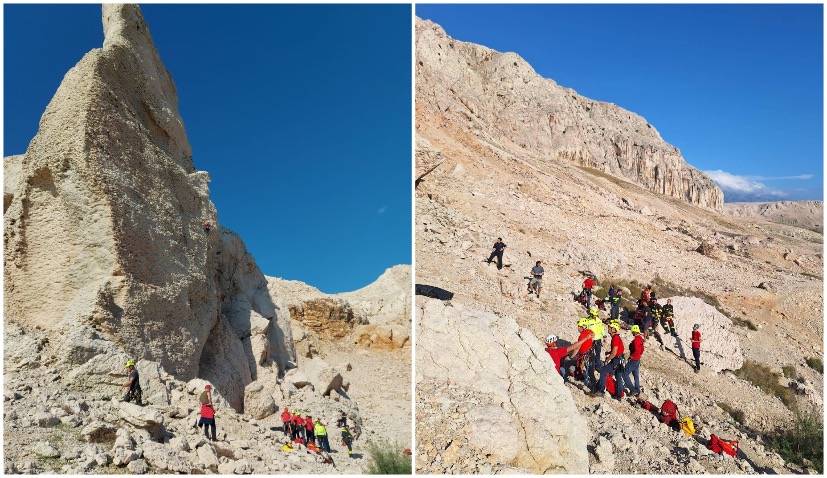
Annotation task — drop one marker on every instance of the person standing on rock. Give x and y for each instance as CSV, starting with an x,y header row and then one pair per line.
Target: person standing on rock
x,y
557,354
633,366
499,248
207,413
309,430
588,284
320,432
613,364
536,284
298,426
584,355
614,297
696,346
596,326
286,421
133,384
342,421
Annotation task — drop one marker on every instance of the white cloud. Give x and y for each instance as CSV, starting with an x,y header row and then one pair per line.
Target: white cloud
x,y
382,210
764,178
743,188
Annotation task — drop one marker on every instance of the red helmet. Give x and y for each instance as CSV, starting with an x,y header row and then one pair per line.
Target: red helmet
x,y
208,387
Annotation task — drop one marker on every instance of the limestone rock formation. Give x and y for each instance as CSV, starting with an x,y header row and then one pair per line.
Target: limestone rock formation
x,y
720,345
104,238
325,316
506,101
491,384
387,299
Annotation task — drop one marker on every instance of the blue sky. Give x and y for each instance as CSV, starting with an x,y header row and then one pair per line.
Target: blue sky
x,y
737,88
300,113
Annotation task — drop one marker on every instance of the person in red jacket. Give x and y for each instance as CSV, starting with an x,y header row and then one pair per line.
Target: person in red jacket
x,y
286,420
207,419
613,363
583,356
558,353
308,430
633,367
696,346
298,426
587,288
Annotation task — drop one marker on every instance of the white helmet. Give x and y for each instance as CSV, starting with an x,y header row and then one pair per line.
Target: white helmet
x,y
551,339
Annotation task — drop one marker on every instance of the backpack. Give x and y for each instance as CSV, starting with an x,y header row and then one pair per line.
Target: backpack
x,y
668,412
611,386
687,426
717,445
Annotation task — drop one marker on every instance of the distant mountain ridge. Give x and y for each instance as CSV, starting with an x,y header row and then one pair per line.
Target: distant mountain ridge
x,y
500,95
806,214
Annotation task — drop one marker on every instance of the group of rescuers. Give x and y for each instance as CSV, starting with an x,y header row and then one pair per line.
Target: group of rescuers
x,y
585,356
299,429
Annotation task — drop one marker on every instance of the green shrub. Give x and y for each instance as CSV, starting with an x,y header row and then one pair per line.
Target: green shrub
x,y
744,323
788,371
762,377
387,459
736,415
816,364
802,442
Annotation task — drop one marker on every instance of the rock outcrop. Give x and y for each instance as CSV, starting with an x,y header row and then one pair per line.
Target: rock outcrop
x,y
104,234
506,101
490,383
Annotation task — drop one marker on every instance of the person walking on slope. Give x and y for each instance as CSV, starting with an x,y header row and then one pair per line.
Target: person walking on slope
x,y
669,316
286,421
132,384
347,439
613,364
536,283
557,354
320,431
207,419
499,248
633,366
696,346
588,284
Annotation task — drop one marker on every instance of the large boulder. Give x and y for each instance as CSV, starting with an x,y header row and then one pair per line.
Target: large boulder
x,y
258,401
146,418
720,345
491,383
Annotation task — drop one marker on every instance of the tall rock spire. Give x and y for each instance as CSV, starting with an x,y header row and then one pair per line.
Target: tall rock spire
x,y
104,235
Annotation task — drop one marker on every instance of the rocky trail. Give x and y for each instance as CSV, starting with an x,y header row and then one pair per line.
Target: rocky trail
x,y
755,286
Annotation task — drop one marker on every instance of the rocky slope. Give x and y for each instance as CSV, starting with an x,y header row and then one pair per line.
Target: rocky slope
x,y
805,214
765,281
499,98
107,257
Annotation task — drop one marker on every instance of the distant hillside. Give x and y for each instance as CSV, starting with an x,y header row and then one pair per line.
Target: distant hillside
x,y
806,214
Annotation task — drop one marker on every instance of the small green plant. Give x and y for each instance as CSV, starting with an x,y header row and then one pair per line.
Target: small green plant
x,y
387,459
762,377
736,414
816,364
744,323
802,442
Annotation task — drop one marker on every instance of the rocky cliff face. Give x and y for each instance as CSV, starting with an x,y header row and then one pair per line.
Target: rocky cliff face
x,y
806,214
104,238
500,97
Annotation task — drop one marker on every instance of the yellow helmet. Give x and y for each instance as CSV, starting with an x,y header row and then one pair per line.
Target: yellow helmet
x,y
593,311
298,414
635,329
130,363
615,324
584,322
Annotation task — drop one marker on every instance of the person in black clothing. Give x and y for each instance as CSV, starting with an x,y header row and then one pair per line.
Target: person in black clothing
x,y
614,297
342,421
133,384
499,248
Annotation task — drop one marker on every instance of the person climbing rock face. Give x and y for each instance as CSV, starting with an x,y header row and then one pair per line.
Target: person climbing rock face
x,y
499,248
133,384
